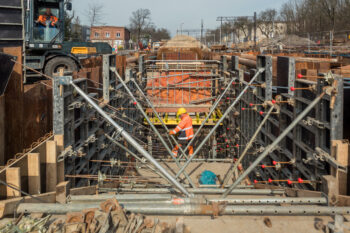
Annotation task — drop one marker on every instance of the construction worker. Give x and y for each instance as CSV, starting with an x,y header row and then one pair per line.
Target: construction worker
x,y
48,16
185,130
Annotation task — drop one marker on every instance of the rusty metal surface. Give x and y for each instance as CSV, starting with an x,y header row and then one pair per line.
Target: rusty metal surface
x,y
2,130
37,107
5,70
14,114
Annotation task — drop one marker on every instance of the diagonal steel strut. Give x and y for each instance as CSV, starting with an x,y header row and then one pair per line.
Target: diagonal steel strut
x,y
131,140
135,156
231,170
153,127
208,116
219,122
271,147
160,119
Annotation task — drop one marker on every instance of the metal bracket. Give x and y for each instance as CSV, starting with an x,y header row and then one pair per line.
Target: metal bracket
x,y
324,156
313,122
76,104
101,177
80,152
68,152
116,135
329,77
65,80
91,139
114,162
313,159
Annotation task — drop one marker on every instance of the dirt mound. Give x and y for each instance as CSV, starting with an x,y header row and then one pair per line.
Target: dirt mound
x,y
182,41
183,47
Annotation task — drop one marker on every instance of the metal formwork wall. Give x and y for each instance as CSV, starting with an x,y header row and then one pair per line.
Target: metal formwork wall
x,y
86,147
305,153
11,23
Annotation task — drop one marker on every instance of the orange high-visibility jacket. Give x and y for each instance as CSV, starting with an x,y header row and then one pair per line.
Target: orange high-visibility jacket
x,y
185,128
43,18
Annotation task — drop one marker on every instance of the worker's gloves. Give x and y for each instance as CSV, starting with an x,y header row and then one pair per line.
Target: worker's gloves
x,y
171,133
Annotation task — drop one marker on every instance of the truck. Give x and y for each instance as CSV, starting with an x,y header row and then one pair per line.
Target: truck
x,y
43,45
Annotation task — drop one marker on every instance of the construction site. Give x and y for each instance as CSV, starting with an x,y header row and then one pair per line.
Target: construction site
x,y
93,143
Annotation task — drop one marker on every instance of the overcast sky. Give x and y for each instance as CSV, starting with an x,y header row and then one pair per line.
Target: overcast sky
x,y
171,13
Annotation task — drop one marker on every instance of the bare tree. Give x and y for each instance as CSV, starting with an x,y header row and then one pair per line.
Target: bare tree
x,y
314,16
68,19
330,7
267,22
95,14
158,34
244,25
76,30
140,21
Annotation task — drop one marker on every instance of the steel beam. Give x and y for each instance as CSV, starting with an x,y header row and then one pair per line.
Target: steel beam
x,y
272,146
219,122
239,160
135,156
157,115
191,209
209,114
212,191
138,105
168,199
130,140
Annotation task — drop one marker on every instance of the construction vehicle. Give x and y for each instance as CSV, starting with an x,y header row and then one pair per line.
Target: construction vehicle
x,y
43,45
45,50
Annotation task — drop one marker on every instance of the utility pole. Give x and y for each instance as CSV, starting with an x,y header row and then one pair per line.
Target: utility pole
x,y
221,31
255,25
202,26
234,18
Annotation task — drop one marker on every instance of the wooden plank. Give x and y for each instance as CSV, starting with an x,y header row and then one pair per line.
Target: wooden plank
x,y
60,165
340,151
343,200
2,187
2,130
34,178
342,177
51,166
89,190
7,207
42,151
330,187
23,166
22,162
13,177
62,191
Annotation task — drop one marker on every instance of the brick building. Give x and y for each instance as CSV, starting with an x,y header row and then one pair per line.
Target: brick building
x,y
117,37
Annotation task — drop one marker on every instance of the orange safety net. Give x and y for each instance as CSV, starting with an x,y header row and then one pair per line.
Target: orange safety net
x,y
178,94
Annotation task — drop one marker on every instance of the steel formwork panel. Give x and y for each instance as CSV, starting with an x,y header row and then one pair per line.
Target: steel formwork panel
x,y
83,128
299,146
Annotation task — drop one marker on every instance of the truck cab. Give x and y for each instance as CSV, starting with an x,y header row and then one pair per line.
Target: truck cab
x,y
44,34
40,34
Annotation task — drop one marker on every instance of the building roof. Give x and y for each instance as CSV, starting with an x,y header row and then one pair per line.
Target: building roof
x,y
100,27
